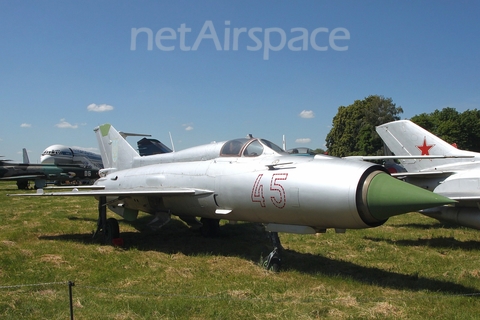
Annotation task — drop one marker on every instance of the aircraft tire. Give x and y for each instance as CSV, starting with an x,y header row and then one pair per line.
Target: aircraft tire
x,y
274,265
112,230
22,185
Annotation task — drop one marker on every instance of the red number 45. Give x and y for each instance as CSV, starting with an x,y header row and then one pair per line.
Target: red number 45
x,y
279,199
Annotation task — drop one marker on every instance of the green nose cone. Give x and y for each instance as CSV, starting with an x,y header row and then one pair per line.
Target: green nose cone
x,y
387,197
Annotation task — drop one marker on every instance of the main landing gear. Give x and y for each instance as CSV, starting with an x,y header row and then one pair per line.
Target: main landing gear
x,y
109,227
273,261
211,228
22,184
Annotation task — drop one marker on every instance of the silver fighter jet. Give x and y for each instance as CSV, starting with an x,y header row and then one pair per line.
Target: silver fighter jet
x,y
247,179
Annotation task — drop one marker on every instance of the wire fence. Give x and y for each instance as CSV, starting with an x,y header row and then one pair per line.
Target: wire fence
x,y
218,296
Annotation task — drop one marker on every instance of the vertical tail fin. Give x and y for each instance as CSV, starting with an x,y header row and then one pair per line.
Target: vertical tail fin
x,y
405,138
25,156
116,152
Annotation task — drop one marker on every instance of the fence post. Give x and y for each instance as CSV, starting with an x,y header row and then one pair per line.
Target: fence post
x,y
70,285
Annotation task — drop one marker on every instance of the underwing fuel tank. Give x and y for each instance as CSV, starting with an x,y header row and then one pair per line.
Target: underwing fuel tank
x,y
464,216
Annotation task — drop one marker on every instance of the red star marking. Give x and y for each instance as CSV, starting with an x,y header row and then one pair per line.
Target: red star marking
x,y
425,148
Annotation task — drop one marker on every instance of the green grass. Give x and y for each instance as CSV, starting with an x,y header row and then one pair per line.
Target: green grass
x,y
410,268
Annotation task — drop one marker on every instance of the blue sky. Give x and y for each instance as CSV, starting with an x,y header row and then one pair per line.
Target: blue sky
x,y
69,66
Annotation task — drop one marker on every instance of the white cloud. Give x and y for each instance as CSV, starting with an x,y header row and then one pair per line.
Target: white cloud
x,y
307,114
303,140
99,107
187,127
65,125
25,125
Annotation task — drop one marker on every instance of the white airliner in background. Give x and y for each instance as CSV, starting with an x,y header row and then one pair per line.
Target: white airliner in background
x,y
60,154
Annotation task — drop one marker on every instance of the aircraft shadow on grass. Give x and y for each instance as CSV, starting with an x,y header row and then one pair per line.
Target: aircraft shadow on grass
x,y
434,225
248,241
438,242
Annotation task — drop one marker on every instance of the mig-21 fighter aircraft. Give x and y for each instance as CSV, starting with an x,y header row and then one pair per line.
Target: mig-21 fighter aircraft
x,y
247,179
454,174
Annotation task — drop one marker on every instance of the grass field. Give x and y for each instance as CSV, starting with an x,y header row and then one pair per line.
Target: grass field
x,y
410,268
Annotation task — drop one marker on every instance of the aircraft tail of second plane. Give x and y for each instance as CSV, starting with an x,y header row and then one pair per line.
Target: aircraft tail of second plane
x,y
116,152
405,138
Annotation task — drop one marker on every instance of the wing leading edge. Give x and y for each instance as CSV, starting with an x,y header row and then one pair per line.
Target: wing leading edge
x,y
125,193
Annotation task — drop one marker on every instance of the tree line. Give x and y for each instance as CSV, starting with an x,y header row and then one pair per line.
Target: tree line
x,y
353,127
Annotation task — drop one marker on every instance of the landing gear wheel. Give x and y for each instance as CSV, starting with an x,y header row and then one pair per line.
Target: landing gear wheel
x,y
111,230
273,261
109,227
22,185
275,267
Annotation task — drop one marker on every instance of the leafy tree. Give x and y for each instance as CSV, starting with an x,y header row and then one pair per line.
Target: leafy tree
x,y
319,151
463,129
353,130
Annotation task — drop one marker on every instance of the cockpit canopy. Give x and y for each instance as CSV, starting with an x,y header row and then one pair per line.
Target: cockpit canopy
x,y
249,148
